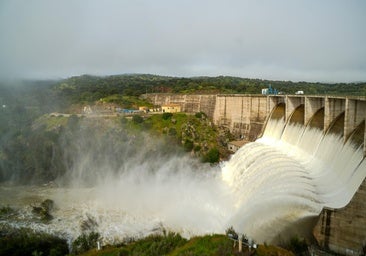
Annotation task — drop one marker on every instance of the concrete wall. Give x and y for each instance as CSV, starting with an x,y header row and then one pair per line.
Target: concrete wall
x,y
244,115
188,103
344,230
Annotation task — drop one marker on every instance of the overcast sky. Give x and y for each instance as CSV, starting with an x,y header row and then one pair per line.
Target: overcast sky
x,y
311,40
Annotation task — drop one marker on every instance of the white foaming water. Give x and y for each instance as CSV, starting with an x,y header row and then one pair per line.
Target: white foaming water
x,y
290,174
265,190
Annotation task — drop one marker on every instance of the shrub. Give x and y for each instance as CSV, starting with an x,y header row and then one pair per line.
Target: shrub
x,y
156,245
297,245
212,156
166,115
172,132
197,148
188,145
6,211
198,115
137,119
27,242
85,242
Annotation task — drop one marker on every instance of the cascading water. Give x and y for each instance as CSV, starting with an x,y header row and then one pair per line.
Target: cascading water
x,y
290,174
266,190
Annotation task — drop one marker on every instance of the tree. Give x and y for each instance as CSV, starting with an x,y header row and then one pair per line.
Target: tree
x,y
212,156
167,115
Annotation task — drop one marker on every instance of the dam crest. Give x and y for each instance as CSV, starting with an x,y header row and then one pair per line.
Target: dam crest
x,y
341,225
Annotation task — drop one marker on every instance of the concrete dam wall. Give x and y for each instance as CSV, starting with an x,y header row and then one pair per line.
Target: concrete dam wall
x,y
341,230
246,115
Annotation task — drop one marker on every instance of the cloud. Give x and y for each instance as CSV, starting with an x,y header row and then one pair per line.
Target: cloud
x,y
306,40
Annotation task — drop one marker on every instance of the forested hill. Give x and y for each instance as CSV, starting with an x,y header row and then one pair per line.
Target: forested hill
x,y
51,95
91,88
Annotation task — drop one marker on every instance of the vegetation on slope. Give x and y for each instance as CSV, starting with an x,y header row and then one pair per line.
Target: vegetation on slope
x,y
27,242
174,245
91,88
47,148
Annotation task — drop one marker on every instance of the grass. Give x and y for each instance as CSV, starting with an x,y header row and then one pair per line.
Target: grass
x,y
206,245
174,245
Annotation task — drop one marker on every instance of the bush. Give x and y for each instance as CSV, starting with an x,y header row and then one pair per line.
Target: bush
x,y
166,115
197,148
297,245
27,242
85,242
137,119
156,245
188,145
212,156
200,115
172,132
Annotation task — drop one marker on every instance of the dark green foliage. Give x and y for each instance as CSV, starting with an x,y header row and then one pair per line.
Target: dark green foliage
x,y
92,88
137,119
26,242
6,211
197,148
208,245
231,232
172,131
157,245
200,115
85,242
167,115
298,246
212,156
188,145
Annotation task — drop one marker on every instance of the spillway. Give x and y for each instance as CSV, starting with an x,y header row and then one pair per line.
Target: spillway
x,y
290,175
271,188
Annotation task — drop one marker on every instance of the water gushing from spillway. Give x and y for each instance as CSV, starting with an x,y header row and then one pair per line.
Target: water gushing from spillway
x,y
268,188
289,175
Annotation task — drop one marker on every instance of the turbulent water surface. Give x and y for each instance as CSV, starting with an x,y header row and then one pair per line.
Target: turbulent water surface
x,y
267,189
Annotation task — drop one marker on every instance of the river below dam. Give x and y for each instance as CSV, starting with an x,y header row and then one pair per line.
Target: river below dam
x,y
270,189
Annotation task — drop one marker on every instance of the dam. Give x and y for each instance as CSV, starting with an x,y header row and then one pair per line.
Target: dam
x,y
340,228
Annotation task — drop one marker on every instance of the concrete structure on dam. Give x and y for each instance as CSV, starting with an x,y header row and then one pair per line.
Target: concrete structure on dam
x,y
246,115
341,230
